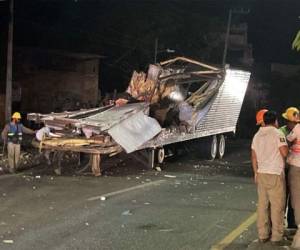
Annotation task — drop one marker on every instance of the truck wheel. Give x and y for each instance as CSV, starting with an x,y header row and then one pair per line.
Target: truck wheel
x,y
209,147
221,146
213,147
160,155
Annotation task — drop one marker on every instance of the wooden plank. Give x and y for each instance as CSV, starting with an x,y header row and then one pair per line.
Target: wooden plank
x,y
106,150
96,164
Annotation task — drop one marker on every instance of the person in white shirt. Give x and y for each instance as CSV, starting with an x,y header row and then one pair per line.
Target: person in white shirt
x,y
42,134
268,150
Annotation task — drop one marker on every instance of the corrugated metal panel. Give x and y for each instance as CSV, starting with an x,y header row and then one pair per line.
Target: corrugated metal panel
x,y
135,131
222,116
109,118
225,110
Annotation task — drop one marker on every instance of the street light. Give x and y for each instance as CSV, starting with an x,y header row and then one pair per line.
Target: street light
x,y
156,51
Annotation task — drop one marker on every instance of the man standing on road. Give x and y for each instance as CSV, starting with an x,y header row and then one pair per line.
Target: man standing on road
x,y
268,150
294,174
291,115
12,135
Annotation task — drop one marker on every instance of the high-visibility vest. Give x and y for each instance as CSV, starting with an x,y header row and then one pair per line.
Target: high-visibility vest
x,y
15,134
284,130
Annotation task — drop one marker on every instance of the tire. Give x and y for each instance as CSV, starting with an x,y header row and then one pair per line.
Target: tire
x,y
209,147
213,147
160,155
221,146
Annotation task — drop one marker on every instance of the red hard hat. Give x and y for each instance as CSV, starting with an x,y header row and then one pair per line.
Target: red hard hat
x,y
260,116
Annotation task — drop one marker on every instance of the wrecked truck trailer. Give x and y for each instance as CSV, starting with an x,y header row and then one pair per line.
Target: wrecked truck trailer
x,y
177,100
213,122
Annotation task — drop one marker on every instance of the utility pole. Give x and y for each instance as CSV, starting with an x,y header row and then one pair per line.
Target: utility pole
x,y
155,50
8,95
231,11
227,37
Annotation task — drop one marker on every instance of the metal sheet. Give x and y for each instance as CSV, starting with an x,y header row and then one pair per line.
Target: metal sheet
x,y
226,108
134,131
222,116
109,118
166,138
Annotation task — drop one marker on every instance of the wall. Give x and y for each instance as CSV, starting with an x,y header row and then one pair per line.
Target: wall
x,y
54,90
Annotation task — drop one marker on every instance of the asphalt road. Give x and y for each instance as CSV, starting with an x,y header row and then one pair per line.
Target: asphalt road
x,y
191,204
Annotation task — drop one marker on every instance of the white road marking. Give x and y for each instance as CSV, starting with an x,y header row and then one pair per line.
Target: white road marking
x,y
153,183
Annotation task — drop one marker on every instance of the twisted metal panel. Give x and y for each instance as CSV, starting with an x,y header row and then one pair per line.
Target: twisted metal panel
x,y
222,116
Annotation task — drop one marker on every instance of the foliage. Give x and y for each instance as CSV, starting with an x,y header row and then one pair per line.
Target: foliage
x,y
296,42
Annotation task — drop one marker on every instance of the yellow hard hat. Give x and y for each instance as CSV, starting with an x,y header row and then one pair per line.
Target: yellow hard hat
x,y
16,115
291,114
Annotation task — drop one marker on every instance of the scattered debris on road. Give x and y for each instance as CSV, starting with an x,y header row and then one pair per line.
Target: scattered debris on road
x,y
127,212
169,176
8,241
166,230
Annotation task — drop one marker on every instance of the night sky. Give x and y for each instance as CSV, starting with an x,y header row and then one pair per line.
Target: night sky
x,y
125,31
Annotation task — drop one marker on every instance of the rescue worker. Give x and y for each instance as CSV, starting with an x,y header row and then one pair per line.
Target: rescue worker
x,y
41,134
268,150
294,172
12,136
260,117
289,115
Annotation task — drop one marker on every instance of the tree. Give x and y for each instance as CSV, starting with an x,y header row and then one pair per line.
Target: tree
x,y
296,42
